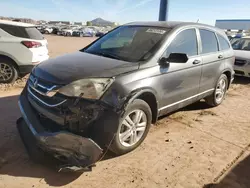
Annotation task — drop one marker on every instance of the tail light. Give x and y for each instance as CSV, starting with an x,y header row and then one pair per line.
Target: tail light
x,y
31,44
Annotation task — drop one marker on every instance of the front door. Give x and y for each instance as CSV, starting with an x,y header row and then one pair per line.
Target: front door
x,y
180,81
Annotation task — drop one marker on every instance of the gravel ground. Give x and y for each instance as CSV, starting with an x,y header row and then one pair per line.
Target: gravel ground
x,y
194,147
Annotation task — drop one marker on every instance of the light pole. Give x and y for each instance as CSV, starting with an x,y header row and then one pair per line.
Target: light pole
x,y
163,12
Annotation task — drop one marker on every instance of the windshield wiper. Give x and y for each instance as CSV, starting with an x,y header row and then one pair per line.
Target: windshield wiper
x,y
105,54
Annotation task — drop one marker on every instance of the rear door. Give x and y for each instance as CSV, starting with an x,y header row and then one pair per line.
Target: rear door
x,y
212,60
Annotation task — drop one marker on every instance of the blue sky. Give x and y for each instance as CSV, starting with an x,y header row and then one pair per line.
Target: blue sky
x,y
122,11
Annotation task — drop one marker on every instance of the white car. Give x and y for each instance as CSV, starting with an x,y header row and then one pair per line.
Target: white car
x,y
48,30
241,48
69,31
22,47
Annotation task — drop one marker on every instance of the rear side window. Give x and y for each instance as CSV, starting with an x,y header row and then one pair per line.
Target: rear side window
x,y
224,45
209,41
23,32
33,33
185,42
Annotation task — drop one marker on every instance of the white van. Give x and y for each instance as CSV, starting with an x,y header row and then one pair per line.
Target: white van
x,y
22,47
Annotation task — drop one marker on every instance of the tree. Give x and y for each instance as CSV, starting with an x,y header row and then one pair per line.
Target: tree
x,y
89,23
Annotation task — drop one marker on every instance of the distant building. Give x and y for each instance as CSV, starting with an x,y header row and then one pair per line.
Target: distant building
x,y
42,22
61,22
79,23
233,24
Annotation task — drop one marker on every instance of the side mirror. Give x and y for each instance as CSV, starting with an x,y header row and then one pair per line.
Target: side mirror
x,y
177,58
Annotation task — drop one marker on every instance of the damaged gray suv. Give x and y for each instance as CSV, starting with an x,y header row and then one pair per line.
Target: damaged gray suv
x,y
106,95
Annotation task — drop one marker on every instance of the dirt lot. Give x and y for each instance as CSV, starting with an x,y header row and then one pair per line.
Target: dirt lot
x,y
195,147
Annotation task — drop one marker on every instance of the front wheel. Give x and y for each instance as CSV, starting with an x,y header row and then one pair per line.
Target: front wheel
x,y
133,127
219,94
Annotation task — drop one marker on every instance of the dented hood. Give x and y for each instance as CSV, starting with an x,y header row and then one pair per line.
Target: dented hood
x,y
67,68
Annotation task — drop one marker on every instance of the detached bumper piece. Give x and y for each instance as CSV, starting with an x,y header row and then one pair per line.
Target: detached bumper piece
x,y
74,151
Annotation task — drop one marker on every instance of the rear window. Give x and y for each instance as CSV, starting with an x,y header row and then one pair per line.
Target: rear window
x,y
209,41
23,32
224,45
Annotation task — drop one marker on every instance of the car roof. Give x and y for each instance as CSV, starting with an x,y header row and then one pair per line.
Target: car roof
x,y
175,24
167,24
20,24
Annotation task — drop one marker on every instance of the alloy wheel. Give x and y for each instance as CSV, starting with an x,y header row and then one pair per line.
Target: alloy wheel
x,y
132,128
6,72
220,91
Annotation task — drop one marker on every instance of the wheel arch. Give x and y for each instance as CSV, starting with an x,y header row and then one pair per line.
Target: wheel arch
x,y
150,97
5,57
228,73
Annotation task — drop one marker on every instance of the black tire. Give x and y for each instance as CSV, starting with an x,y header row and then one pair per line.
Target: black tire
x,y
14,72
46,32
212,99
116,145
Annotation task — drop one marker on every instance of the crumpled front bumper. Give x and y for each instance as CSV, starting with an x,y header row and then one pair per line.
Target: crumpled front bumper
x,y
242,70
73,150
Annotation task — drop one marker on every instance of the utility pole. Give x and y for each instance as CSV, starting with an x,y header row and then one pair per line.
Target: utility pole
x,y
163,12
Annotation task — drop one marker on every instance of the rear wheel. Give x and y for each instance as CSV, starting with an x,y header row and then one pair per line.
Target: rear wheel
x,y
8,72
219,94
133,127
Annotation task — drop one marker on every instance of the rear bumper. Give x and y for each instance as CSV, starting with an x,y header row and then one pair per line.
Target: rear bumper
x,y
25,69
73,150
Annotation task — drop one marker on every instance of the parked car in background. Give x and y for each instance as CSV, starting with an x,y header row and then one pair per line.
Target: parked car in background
x,y
106,95
61,30
241,48
100,33
40,28
55,30
48,30
22,47
69,30
77,33
85,32
233,39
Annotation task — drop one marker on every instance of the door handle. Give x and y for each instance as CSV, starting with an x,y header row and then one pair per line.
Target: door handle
x,y
220,56
195,62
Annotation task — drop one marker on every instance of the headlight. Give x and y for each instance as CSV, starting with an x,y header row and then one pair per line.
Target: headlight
x,y
92,88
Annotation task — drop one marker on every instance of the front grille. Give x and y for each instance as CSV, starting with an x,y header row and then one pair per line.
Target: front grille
x,y
50,100
44,92
240,62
